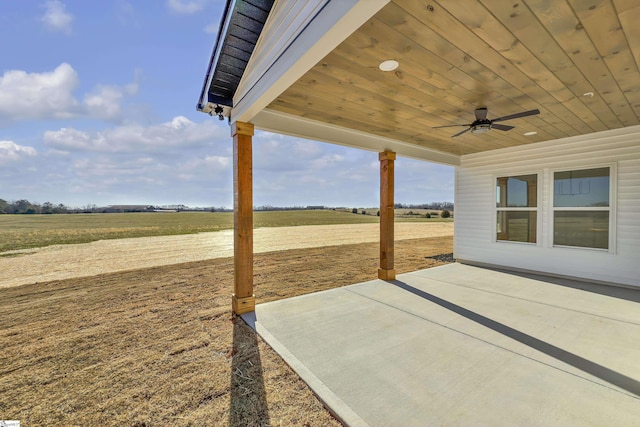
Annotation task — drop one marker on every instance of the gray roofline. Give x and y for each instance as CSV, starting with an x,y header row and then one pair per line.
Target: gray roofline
x,y
207,76
240,28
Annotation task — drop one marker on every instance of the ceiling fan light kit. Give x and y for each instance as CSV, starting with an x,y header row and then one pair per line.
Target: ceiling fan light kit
x,y
481,128
481,124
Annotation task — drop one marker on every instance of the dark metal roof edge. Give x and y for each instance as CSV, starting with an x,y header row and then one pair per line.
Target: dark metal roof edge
x,y
233,24
207,77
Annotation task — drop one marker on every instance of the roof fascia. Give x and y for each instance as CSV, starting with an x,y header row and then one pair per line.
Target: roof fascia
x,y
288,124
330,25
215,55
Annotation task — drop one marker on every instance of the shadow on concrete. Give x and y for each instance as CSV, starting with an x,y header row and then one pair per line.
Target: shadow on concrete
x,y
615,378
627,294
248,396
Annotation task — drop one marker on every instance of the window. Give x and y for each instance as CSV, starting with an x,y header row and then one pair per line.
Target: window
x,y
517,208
582,208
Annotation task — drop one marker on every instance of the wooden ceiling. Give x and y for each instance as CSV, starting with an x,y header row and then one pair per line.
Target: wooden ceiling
x,y
455,56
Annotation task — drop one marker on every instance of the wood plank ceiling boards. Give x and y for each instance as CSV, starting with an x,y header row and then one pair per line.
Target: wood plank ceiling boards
x,y
458,55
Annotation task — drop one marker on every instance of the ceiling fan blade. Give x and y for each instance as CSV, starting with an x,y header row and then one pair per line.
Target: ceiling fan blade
x,y
481,113
501,127
460,133
515,116
449,126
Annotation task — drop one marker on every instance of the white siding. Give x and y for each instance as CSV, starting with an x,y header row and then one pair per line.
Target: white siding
x,y
475,206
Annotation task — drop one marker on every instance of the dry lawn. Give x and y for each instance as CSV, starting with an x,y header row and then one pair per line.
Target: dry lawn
x,y
159,346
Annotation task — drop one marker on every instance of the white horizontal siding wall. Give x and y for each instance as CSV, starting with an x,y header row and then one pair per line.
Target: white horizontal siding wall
x,y
475,214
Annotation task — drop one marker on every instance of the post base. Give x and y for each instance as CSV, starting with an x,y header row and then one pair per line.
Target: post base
x,y
386,274
243,305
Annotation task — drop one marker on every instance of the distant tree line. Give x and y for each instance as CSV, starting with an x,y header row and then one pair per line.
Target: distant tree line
x,y
26,207
23,206
288,208
438,206
277,208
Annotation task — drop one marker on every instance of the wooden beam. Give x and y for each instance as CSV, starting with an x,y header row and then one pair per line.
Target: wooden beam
x,y
243,299
386,270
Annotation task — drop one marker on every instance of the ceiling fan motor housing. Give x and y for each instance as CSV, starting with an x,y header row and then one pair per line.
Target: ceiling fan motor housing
x,y
481,126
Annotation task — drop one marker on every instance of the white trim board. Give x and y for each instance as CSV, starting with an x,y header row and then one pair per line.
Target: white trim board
x,y
569,147
329,27
285,22
288,124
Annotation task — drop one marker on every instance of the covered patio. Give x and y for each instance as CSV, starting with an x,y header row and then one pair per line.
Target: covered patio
x,y
555,192
464,345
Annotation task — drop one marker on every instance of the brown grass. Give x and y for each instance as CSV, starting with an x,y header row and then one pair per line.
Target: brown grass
x,y
159,346
36,231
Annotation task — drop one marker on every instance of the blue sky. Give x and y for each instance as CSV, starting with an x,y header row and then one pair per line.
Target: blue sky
x,y
97,106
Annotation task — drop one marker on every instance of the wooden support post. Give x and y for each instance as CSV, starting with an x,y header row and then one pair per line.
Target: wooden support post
x,y
386,270
243,299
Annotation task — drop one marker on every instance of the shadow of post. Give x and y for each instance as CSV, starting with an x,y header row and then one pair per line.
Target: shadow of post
x,y
248,397
612,377
627,294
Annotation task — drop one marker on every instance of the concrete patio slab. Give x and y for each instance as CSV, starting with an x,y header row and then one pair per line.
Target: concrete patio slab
x,y
463,345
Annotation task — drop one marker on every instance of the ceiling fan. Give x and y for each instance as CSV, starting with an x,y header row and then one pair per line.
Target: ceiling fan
x,y
481,124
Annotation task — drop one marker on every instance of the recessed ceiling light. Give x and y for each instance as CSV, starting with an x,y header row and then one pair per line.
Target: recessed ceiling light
x,y
530,133
388,65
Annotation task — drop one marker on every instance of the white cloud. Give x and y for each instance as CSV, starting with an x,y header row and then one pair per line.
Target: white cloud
x,y
38,95
11,152
180,132
185,162
56,18
433,181
105,101
185,6
49,95
69,139
329,160
118,170
311,173
198,168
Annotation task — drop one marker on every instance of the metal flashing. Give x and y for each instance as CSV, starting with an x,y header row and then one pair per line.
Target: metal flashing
x,y
240,28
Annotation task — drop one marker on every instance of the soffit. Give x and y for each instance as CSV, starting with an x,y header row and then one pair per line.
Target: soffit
x,y
245,23
458,55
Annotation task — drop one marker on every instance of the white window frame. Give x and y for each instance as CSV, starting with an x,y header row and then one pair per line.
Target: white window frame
x,y
537,209
613,175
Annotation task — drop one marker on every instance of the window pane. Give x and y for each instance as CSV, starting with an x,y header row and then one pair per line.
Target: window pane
x,y
581,188
517,191
587,229
517,226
